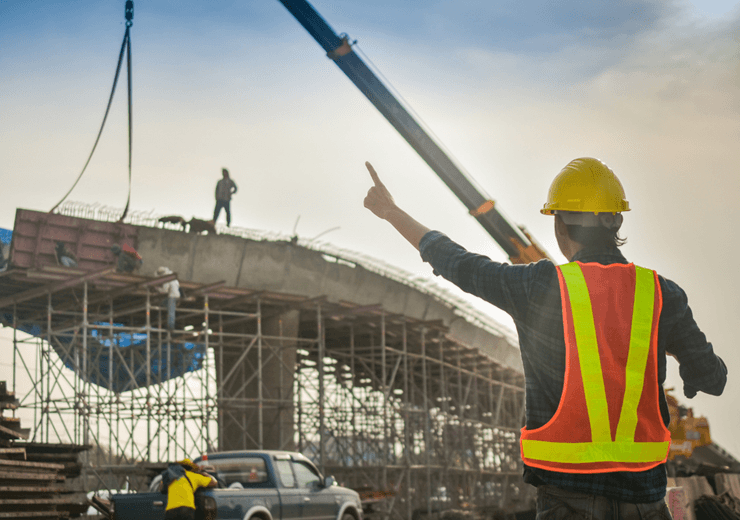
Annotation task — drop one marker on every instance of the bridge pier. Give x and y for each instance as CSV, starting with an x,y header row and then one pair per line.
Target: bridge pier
x,y
255,376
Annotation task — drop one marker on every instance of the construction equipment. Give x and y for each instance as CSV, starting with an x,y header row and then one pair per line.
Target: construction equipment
x,y
693,453
687,431
514,240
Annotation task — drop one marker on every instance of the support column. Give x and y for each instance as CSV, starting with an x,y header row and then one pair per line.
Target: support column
x,y
278,375
251,412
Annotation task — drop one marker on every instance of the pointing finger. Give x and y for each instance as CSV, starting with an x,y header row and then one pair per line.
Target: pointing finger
x,y
373,174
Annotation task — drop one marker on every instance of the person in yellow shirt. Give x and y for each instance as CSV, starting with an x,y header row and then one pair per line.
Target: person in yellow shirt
x,y
181,493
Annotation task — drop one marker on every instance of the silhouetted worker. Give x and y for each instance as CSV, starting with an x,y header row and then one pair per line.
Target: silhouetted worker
x,y
64,256
225,188
593,335
128,259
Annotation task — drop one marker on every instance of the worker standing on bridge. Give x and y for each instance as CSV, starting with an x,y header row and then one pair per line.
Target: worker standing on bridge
x,y
593,335
225,188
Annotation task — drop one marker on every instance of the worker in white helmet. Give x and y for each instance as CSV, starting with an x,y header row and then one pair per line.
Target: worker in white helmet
x,y
593,334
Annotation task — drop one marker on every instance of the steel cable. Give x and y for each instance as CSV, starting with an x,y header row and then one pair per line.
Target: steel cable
x,y
125,47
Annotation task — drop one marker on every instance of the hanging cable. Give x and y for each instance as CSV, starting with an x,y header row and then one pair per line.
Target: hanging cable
x,y
125,47
129,23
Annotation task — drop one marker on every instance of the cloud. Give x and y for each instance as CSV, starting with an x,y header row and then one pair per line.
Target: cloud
x,y
687,76
668,60
540,26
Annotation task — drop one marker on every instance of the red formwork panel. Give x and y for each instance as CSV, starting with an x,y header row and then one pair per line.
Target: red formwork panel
x,y
35,234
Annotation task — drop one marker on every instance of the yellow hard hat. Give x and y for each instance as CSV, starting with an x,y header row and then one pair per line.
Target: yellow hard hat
x,y
586,185
187,464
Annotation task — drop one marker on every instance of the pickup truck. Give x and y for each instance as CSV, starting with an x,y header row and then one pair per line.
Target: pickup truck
x,y
252,485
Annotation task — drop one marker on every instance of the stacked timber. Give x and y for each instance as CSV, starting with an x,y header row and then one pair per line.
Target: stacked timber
x,y
74,502
10,427
32,475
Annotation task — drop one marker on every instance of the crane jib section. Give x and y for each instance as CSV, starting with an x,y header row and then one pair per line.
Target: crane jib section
x,y
513,241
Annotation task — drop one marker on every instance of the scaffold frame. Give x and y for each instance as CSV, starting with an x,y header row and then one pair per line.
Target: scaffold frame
x,y
387,404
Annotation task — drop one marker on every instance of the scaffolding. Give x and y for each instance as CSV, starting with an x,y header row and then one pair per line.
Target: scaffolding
x,y
388,404
106,372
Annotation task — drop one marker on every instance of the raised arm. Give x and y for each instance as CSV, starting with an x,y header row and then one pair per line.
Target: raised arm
x,y
380,201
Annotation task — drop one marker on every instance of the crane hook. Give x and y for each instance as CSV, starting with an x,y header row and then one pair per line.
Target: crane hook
x,y
129,13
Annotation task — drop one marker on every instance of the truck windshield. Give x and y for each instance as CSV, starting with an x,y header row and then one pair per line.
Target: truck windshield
x,y
246,471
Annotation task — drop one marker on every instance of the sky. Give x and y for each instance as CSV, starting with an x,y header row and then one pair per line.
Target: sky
x,y
514,90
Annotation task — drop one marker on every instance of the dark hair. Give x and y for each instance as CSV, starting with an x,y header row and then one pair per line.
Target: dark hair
x,y
599,237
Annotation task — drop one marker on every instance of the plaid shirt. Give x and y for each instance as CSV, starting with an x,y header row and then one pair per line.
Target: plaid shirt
x,y
531,295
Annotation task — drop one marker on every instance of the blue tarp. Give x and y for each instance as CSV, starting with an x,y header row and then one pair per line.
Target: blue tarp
x,y
5,235
183,357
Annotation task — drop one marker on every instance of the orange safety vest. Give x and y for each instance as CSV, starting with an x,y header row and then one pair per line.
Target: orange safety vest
x,y
609,414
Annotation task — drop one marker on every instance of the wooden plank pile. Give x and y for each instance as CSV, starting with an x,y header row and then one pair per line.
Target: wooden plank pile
x,y
32,475
10,427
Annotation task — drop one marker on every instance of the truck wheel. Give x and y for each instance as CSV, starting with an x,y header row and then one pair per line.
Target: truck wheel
x,y
348,516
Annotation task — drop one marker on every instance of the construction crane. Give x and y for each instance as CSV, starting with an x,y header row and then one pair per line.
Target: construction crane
x,y
514,240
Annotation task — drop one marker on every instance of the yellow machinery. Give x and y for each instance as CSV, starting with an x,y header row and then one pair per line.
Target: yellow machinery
x,y
687,431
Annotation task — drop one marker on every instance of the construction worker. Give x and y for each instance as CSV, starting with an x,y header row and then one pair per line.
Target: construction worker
x,y
128,259
64,256
225,188
172,290
593,335
181,492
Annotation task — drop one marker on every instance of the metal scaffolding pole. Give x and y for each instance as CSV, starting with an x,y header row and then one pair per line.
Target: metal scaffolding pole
x,y
260,417
385,389
148,329
219,388
406,422
85,408
427,432
322,395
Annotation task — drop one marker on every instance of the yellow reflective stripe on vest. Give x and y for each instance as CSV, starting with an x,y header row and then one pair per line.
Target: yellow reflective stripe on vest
x,y
602,448
588,352
584,452
642,324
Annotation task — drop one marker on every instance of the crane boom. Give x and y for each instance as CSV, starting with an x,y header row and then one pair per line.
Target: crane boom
x,y
516,243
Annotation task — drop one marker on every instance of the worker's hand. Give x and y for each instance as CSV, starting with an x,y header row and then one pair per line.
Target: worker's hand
x,y
689,391
381,203
378,199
